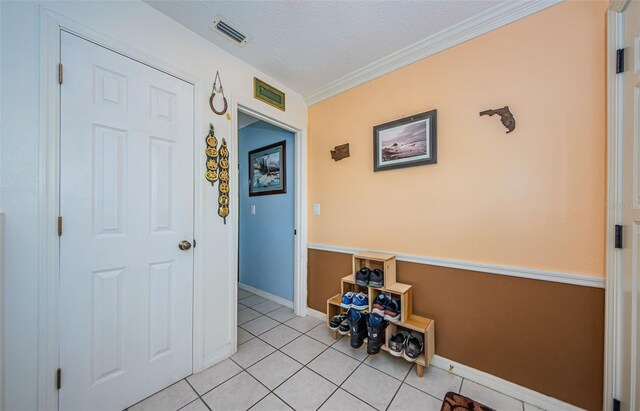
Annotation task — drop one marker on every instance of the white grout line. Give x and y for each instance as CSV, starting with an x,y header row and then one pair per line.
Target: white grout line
x,y
306,366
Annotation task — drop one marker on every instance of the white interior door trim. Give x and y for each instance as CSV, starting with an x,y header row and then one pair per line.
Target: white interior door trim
x,y
51,25
615,39
300,207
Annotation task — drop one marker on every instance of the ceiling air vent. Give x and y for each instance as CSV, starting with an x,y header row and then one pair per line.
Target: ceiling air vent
x,y
226,30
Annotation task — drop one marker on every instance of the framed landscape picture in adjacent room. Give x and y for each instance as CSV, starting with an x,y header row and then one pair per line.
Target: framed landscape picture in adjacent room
x,y
267,170
407,142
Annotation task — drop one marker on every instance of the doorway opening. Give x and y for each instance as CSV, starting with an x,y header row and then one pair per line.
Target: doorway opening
x,y
266,211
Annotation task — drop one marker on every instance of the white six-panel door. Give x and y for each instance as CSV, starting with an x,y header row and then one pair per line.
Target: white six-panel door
x,y
126,195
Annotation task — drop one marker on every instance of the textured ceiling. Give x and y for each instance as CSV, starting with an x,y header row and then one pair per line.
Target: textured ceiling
x,y
245,120
308,44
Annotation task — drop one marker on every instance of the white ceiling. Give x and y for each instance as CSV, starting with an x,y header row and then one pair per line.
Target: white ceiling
x,y
307,45
245,120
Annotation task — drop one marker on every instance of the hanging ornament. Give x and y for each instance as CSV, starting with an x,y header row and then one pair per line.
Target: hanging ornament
x,y
218,170
223,187
212,157
217,89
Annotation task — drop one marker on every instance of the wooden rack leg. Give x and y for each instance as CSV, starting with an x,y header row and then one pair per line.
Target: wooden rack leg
x,y
334,334
419,370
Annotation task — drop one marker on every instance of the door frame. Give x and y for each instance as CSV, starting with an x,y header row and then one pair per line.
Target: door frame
x,y
300,205
51,26
615,40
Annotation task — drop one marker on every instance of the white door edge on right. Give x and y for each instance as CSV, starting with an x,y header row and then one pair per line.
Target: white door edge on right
x,y
628,295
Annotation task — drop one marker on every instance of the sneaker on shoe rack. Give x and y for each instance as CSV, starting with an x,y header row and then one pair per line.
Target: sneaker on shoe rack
x,y
392,310
336,321
376,326
396,344
376,278
346,300
380,303
360,301
358,327
345,327
413,347
362,276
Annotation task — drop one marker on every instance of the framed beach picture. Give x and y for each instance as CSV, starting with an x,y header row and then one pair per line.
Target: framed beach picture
x,y
408,142
267,170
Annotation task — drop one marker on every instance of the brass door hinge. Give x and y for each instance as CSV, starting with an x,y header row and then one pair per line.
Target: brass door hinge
x,y
59,226
58,378
60,73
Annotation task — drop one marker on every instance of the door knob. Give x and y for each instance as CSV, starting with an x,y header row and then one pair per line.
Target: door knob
x,y
184,245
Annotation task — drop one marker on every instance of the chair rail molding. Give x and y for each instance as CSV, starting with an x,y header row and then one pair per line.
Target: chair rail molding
x,y
521,272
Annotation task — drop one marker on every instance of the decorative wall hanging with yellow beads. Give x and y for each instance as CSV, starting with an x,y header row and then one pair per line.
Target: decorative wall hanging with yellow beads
x,y
218,169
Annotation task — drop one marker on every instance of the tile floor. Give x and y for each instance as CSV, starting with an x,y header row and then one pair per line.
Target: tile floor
x,y
286,362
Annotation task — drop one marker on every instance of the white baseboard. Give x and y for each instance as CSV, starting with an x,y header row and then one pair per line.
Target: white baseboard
x,y
218,355
506,387
490,381
268,296
316,314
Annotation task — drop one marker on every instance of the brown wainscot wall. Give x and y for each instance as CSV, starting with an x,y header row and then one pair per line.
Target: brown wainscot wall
x,y
543,335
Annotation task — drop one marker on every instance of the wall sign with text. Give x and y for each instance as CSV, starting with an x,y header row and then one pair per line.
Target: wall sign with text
x,y
268,94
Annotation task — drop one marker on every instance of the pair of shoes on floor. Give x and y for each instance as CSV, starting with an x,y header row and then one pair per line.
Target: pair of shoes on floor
x,y
365,325
357,326
376,326
387,307
340,323
407,345
335,322
366,277
358,301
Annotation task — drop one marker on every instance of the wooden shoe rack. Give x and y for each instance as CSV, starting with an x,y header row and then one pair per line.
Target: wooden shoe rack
x,y
403,292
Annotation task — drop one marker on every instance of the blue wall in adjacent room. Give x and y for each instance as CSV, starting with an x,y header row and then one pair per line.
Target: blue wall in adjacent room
x,y
266,240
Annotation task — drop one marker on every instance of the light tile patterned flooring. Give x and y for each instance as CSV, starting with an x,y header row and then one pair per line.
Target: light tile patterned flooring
x,y
286,362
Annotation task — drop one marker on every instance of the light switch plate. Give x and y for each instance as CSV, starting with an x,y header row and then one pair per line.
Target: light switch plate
x,y
253,209
316,209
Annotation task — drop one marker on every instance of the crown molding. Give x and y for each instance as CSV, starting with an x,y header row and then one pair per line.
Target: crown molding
x,y
472,27
583,280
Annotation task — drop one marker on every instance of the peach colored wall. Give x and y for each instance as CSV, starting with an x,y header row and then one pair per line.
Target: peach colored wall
x,y
533,198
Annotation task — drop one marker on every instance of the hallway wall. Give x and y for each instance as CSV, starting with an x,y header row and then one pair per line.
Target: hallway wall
x,y
529,201
143,28
266,243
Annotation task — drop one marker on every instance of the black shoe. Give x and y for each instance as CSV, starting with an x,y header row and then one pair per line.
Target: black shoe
x,y
380,303
413,347
362,277
392,310
344,328
376,278
376,326
336,321
396,344
358,324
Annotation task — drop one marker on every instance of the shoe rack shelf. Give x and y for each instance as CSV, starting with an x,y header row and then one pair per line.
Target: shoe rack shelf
x,y
408,320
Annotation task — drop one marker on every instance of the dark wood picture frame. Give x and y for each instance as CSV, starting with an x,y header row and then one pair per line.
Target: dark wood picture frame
x,y
262,151
430,155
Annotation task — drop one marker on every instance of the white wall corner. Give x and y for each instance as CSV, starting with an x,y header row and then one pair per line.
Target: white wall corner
x,y
2,406
316,314
268,296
